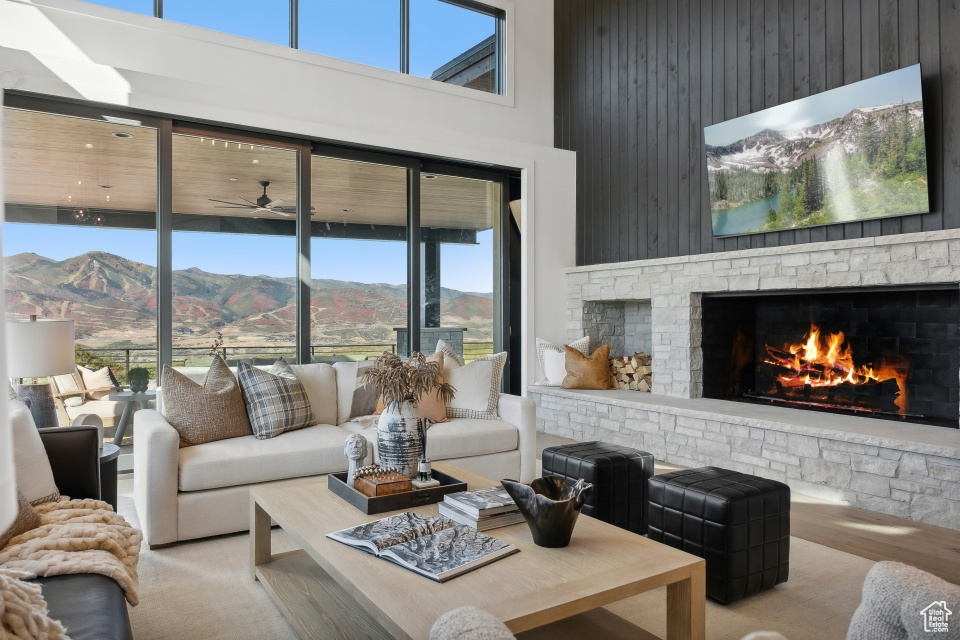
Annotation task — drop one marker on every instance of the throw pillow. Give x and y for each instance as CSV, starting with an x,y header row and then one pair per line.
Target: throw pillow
x,y
208,412
478,387
34,475
353,398
431,403
27,519
99,379
552,360
449,354
276,400
584,372
70,382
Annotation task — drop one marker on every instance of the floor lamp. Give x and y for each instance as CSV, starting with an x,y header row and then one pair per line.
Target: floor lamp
x,y
37,349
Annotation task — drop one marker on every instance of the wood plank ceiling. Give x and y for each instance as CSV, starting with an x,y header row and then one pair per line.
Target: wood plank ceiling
x,y
54,160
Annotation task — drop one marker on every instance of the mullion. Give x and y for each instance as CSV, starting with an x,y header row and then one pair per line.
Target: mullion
x,y
414,292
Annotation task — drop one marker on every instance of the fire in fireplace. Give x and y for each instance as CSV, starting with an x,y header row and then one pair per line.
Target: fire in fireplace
x,y
820,371
888,353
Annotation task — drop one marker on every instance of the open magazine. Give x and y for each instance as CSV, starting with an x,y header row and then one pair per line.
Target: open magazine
x,y
433,546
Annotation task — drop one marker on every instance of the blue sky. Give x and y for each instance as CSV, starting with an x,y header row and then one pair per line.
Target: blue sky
x,y
463,267
889,88
364,31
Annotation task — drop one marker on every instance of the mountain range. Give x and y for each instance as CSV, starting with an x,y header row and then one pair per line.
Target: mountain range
x,y
769,150
113,302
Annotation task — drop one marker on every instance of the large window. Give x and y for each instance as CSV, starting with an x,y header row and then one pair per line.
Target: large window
x,y
452,41
359,257
234,250
266,20
364,31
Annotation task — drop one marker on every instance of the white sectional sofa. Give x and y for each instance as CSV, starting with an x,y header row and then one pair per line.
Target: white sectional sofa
x,y
203,490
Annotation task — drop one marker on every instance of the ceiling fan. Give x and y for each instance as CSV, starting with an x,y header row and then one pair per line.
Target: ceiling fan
x,y
264,203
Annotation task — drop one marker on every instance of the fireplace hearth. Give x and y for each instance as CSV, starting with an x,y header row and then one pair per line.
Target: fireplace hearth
x,y
885,353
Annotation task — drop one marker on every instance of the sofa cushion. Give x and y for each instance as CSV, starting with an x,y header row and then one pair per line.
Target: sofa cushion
x,y
102,408
353,398
305,452
89,605
276,400
320,382
34,474
465,437
208,412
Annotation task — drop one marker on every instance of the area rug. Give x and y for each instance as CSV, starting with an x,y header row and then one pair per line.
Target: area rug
x,y
202,589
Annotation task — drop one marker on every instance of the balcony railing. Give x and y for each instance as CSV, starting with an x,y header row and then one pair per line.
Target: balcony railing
x,y
121,360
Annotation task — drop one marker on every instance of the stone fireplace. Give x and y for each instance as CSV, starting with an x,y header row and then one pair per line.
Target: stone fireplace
x,y
903,465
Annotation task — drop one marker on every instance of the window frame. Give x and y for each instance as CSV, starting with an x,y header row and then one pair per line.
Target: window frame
x,y
498,13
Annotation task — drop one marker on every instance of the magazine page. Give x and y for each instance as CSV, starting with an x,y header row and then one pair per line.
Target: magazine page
x,y
378,535
448,553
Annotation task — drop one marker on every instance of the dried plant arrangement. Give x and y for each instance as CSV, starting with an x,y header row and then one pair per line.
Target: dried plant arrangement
x,y
397,380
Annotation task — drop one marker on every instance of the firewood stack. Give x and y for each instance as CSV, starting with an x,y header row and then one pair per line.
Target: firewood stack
x,y
632,372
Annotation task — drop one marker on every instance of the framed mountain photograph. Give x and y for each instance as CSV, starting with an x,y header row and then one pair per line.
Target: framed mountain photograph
x,y
852,153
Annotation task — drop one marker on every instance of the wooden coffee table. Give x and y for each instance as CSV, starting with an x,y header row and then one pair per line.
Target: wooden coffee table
x,y
330,590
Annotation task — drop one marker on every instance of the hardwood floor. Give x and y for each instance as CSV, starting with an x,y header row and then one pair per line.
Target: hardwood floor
x,y
863,533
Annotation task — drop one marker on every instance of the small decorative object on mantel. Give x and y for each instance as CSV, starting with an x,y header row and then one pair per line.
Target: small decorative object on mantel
x,y
550,507
139,379
373,481
401,431
632,372
355,449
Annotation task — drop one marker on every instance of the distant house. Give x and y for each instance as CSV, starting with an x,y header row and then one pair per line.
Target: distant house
x,y
936,617
475,68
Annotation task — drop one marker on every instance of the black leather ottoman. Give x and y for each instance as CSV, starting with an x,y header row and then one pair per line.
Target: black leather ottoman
x,y
619,476
738,523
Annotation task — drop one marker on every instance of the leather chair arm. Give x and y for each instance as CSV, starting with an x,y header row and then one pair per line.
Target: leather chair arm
x,y
74,454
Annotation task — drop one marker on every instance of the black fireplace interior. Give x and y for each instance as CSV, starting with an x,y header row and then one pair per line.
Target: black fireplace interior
x,y
884,353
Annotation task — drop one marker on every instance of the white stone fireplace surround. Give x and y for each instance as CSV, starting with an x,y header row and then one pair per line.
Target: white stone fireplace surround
x,y
908,470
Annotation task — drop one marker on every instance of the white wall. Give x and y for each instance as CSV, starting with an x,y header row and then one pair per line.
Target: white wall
x,y
72,49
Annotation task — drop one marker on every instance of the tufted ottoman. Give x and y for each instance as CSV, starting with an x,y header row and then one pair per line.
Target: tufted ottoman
x,y
738,523
619,476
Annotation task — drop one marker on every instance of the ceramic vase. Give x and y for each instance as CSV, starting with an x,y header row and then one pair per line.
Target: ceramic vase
x,y
550,506
400,435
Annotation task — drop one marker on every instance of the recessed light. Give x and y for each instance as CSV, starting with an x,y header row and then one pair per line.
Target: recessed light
x,y
122,134
430,176
256,162
346,210
106,186
88,146
233,179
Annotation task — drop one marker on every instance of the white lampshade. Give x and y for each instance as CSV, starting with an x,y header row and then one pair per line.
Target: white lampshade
x,y
39,349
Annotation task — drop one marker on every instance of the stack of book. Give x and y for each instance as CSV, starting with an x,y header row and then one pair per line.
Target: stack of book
x,y
481,509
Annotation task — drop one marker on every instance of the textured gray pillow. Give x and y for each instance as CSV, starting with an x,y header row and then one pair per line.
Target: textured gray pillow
x,y
213,411
27,519
276,400
895,597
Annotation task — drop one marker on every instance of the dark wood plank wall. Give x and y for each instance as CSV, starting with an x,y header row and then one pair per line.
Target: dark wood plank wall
x,y
637,80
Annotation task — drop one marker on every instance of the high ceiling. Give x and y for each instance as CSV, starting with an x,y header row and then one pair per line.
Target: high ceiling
x,y
54,160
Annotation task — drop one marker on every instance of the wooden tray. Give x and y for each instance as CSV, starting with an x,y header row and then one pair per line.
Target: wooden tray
x,y
337,483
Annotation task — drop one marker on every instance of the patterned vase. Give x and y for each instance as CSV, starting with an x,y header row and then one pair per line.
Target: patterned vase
x,y
400,436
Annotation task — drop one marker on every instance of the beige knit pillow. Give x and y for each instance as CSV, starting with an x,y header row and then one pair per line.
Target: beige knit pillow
x,y
214,411
27,519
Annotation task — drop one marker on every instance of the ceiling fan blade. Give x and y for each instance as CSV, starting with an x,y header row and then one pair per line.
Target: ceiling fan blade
x,y
236,204
220,206
281,212
274,203
251,202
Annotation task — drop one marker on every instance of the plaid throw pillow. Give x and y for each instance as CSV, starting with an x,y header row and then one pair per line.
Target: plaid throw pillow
x,y
276,400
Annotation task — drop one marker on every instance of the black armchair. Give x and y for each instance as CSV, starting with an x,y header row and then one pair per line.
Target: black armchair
x,y
90,606
74,454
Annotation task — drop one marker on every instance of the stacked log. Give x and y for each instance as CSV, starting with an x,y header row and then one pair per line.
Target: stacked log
x,y
632,372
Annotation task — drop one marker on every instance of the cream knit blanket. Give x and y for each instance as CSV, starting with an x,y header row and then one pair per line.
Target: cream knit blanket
x,y
23,611
78,536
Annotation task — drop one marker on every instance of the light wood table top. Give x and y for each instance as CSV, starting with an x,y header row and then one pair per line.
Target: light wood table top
x,y
530,589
